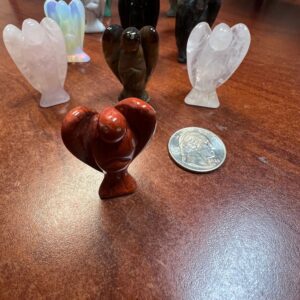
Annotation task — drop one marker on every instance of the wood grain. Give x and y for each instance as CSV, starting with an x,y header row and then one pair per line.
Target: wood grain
x,y
230,234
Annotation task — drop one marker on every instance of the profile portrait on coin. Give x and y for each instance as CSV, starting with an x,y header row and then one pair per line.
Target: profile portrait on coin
x,y
196,149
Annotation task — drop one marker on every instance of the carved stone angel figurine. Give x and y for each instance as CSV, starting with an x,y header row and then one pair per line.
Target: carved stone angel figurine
x,y
32,50
132,56
109,141
94,10
212,57
71,20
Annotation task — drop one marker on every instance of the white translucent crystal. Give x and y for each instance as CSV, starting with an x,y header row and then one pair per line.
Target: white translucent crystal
x,y
39,52
94,11
212,57
71,20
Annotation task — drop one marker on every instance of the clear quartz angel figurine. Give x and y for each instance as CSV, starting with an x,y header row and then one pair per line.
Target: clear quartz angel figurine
x,y
212,57
94,10
71,20
39,52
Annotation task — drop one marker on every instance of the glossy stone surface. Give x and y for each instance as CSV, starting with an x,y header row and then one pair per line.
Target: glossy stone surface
x,y
71,19
132,56
108,141
32,50
212,57
94,11
189,14
138,13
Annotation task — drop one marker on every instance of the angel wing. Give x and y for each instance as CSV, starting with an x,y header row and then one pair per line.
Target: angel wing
x,y
111,47
31,51
218,65
15,43
150,45
71,18
58,43
77,127
61,14
237,50
195,46
78,19
141,118
50,10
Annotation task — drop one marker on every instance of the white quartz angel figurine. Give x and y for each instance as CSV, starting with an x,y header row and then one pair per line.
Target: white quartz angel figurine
x,y
94,10
39,52
212,57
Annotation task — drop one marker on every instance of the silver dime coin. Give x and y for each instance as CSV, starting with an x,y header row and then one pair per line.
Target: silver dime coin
x,y
197,149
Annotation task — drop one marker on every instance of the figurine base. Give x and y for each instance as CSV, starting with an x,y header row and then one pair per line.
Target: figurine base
x,y
94,27
198,98
54,98
116,185
78,57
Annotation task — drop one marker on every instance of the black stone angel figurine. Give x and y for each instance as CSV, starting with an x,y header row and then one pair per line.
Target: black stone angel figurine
x,y
132,55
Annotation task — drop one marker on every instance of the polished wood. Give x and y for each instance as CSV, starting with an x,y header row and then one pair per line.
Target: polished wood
x,y
230,234
110,140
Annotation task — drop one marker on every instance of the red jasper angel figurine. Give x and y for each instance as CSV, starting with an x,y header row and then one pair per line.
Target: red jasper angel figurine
x,y
108,141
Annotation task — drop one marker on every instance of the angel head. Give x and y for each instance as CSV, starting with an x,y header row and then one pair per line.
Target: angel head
x,y
131,39
31,48
113,129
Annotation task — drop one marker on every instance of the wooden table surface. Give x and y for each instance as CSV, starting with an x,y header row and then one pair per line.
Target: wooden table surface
x,y
230,234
